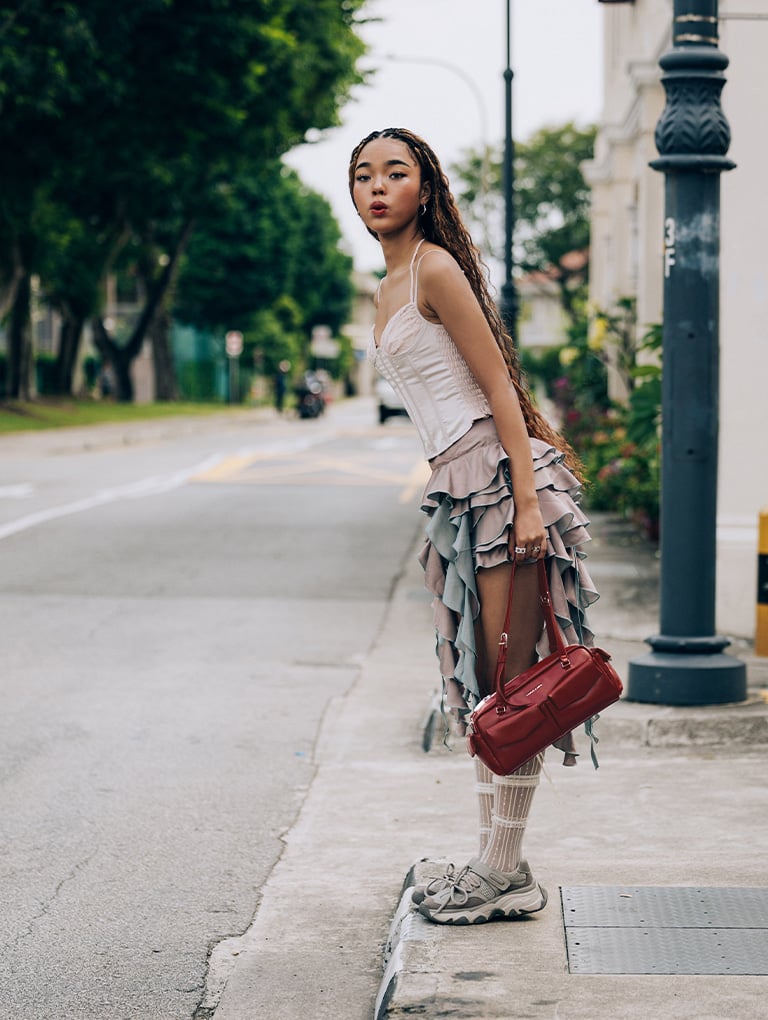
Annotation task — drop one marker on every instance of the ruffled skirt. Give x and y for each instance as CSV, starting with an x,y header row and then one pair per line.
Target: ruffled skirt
x,y
471,507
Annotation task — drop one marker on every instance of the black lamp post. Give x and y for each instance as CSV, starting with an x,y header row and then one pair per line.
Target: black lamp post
x,y
508,303
687,664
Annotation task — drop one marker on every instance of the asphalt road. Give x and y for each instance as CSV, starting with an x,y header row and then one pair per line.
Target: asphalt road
x,y
180,604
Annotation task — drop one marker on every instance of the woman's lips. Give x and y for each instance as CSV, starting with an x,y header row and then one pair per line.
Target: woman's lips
x,y
377,209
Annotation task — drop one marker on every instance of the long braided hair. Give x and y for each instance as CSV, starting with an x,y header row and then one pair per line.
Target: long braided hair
x,y
441,224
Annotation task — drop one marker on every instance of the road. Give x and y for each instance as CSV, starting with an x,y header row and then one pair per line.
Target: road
x,y
180,605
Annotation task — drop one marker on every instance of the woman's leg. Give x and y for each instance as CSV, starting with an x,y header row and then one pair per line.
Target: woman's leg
x,y
512,799
526,621
484,790
494,885
513,794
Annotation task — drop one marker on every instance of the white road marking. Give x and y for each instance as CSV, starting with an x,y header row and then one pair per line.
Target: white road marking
x,y
150,486
16,491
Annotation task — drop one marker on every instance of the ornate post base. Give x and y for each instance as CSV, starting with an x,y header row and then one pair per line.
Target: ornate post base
x,y
695,672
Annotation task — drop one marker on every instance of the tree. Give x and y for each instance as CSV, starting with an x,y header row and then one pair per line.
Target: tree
x,y
271,238
552,198
239,259
43,48
170,102
551,203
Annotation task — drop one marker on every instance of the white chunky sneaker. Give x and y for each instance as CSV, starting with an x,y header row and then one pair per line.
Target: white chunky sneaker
x,y
420,892
479,894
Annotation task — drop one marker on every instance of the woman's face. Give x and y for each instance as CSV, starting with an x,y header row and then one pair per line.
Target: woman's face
x,y
387,188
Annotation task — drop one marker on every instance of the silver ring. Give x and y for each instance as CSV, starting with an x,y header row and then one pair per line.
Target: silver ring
x,y
519,550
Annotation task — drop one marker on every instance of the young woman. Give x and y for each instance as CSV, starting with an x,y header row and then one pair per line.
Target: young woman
x,y
499,488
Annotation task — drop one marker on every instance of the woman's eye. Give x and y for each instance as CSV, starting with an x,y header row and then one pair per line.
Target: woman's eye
x,y
362,177
397,174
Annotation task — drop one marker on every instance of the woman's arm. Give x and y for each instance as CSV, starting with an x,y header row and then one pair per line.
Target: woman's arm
x,y
445,295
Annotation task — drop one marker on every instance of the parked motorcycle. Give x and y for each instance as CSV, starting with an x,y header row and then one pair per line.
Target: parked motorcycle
x,y
310,396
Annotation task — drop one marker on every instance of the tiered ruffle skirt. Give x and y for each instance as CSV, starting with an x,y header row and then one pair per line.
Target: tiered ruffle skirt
x,y
471,507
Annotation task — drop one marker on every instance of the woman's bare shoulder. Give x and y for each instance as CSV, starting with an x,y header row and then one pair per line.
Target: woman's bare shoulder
x,y
430,248
438,270
436,265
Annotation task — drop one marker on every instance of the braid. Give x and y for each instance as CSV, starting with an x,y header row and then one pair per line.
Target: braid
x,y
441,224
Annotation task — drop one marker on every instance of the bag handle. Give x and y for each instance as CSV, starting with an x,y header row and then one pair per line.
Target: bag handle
x,y
556,644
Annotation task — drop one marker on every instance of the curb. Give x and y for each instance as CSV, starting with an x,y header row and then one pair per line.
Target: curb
x,y
633,724
409,984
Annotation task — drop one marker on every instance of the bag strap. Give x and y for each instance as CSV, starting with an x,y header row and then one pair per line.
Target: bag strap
x,y
556,644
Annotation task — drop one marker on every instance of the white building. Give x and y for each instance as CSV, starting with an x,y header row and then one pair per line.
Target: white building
x,y
542,323
626,253
359,329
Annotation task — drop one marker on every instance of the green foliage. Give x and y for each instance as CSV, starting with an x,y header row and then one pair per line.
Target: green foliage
x,y
91,367
551,196
271,238
275,336
618,443
544,367
322,273
551,201
345,359
45,373
197,380
614,334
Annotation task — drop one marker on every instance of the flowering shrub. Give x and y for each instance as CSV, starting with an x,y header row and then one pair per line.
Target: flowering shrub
x,y
619,443
623,475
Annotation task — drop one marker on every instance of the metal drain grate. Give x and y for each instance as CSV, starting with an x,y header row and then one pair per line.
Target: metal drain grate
x,y
665,930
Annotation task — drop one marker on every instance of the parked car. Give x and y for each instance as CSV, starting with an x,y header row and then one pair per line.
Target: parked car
x,y
389,402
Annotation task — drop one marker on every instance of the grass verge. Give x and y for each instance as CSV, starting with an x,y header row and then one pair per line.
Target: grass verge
x,y
21,416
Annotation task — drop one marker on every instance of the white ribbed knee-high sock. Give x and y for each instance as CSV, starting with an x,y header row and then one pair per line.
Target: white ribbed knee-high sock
x,y
512,799
484,791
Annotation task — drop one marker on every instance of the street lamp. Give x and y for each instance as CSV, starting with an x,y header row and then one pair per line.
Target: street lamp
x,y
447,65
687,664
508,306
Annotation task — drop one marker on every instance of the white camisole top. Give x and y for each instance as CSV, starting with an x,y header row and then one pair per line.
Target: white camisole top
x,y
423,365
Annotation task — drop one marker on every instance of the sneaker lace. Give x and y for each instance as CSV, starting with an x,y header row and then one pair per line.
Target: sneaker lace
x,y
465,883
447,879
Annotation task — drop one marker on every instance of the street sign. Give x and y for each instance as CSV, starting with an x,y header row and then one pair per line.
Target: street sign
x,y
233,343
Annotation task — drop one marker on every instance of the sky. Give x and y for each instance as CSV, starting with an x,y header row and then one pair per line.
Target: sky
x,y
439,71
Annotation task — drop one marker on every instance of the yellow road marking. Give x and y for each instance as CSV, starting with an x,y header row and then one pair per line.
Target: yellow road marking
x,y
311,469
225,469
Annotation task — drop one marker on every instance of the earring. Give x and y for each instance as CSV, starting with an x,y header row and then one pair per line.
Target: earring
x,y
424,209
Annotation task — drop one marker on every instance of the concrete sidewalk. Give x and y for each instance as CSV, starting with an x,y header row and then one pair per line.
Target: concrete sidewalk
x,y
680,799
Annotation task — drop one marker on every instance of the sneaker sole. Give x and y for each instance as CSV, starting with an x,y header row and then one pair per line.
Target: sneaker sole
x,y
503,908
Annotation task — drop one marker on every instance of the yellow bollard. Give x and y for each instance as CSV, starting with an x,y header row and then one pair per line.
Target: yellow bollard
x,y
761,634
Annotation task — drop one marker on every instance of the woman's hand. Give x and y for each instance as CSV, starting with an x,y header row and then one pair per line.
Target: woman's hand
x,y
528,538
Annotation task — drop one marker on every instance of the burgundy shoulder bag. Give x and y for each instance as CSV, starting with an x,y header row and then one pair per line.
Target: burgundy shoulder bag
x,y
524,716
